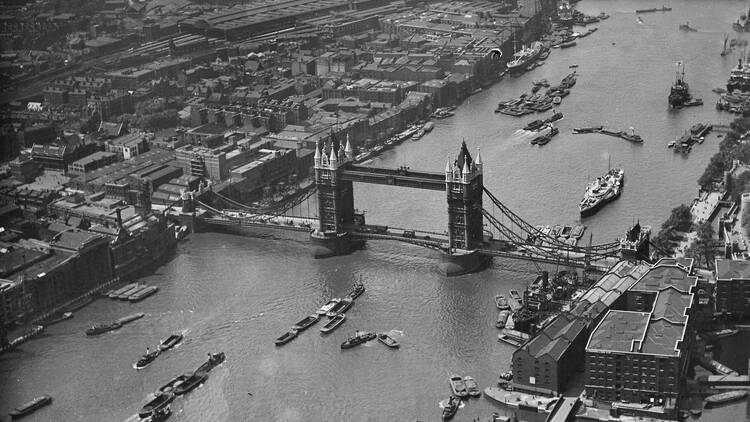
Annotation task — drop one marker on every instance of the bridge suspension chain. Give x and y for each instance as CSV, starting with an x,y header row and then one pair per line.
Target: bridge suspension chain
x,y
608,249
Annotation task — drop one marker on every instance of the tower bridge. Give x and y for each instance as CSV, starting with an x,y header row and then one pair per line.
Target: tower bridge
x,y
473,236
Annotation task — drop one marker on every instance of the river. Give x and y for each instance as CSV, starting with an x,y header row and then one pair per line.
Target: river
x,y
236,294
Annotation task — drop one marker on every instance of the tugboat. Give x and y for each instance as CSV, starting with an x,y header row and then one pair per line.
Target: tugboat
x,y
680,92
30,407
214,360
357,289
170,341
458,386
147,358
286,337
450,409
601,191
357,339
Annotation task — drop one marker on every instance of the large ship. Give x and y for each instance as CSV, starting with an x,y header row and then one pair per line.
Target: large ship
x,y
525,56
739,78
680,92
743,23
602,190
565,14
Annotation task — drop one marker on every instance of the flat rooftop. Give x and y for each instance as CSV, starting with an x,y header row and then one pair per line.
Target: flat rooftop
x,y
659,331
727,269
620,331
664,276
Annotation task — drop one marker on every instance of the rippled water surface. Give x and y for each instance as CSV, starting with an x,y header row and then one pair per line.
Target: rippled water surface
x,y
237,294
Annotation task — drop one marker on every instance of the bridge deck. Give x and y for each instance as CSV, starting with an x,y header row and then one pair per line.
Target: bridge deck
x,y
395,177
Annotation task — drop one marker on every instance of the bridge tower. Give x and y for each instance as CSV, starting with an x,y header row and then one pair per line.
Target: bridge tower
x,y
464,191
335,200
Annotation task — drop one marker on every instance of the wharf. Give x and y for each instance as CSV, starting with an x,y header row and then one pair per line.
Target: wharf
x,y
33,332
564,409
596,415
518,400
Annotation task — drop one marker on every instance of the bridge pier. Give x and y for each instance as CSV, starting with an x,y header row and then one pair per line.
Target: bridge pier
x,y
455,264
330,243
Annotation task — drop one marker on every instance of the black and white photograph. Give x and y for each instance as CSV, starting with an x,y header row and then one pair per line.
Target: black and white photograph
x,y
375,210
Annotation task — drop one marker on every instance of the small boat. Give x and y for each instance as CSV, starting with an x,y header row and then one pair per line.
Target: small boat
x,y
333,323
195,379
687,28
458,386
130,318
568,44
159,415
472,386
507,376
340,307
306,322
501,302
158,402
102,328
536,124
328,306
450,409
358,288
142,294
30,407
116,293
170,341
715,335
286,337
134,288
388,340
502,319
214,360
587,129
357,339
147,358
173,383
555,117
727,397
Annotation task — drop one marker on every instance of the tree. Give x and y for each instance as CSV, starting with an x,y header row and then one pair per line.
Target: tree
x,y
704,244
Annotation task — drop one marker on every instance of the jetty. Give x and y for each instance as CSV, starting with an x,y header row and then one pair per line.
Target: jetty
x,y
630,136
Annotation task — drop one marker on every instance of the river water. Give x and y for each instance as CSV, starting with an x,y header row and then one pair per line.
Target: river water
x,y
237,294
